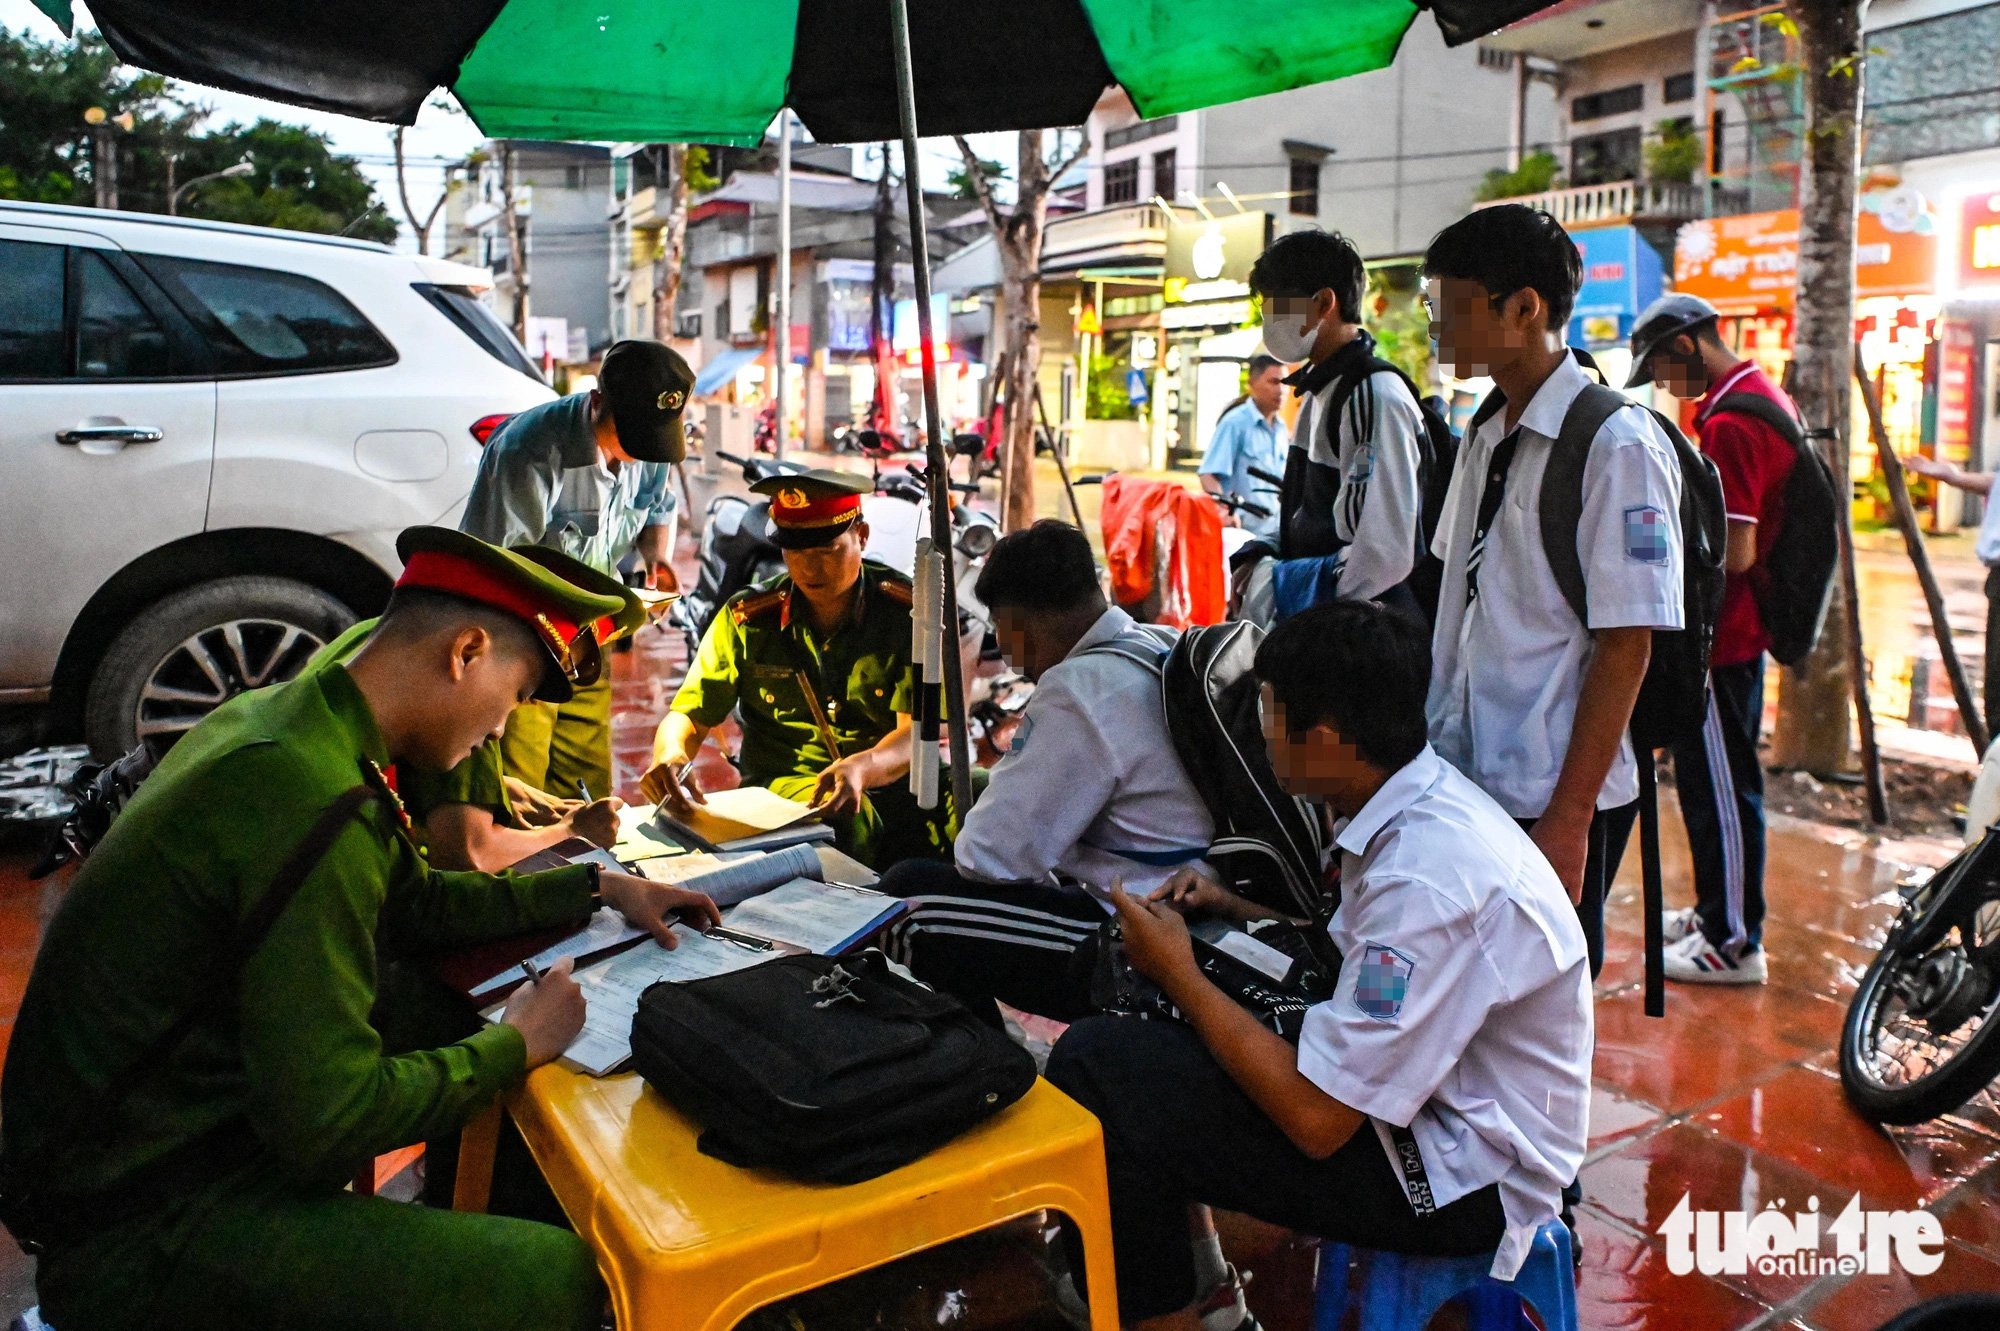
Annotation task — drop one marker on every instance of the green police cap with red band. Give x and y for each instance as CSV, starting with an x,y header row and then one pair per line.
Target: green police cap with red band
x,y
560,613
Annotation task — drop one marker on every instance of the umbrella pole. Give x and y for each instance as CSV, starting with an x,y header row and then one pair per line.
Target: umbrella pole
x,y
937,467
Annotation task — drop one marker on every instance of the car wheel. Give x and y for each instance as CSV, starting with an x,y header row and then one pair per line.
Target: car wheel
x,y
186,655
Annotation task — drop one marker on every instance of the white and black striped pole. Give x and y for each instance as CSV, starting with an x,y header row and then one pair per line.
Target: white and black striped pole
x,y
926,660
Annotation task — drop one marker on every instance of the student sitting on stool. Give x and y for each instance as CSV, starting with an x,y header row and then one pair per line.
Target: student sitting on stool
x,y
1437,1103
1089,792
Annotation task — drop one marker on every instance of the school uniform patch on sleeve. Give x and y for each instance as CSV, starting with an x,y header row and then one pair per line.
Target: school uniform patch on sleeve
x,y
1020,739
1645,534
1381,981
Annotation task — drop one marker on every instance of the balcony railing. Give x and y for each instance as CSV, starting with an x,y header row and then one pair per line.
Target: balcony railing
x,y
1619,201
1126,227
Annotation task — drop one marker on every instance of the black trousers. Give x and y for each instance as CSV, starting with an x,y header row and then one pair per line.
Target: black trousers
x,y
1610,829
1016,942
1721,784
1177,1130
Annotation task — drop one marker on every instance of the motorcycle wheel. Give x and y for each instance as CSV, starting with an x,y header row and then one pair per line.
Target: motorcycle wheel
x,y
1922,1034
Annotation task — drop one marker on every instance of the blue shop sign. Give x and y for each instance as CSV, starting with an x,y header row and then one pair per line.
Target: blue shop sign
x,y
1622,275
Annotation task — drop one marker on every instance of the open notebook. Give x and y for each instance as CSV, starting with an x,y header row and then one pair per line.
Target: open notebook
x,y
801,899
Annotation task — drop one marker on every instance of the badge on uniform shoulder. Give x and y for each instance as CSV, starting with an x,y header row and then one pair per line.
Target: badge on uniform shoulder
x,y
1020,739
1645,534
1381,980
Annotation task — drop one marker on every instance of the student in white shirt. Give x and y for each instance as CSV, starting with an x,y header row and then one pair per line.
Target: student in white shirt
x,y
1090,792
1438,1101
1352,498
1526,700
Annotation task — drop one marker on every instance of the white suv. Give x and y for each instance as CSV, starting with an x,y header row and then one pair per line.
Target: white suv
x,y
209,438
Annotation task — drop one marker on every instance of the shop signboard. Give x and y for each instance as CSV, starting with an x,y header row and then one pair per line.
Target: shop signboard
x,y
1622,274
1979,242
1749,263
1210,259
1954,392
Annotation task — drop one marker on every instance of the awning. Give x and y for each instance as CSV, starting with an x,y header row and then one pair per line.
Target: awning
x,y
723,368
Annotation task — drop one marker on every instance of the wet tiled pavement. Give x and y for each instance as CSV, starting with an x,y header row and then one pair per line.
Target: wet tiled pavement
x,y
1733,1099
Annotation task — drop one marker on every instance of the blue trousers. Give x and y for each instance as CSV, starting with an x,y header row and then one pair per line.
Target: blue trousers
x,y
1721,784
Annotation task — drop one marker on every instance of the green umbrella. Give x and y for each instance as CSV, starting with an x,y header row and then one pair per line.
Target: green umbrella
x,y
853,70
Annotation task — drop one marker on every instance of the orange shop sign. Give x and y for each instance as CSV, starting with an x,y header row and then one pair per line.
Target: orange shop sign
x,y
1748,263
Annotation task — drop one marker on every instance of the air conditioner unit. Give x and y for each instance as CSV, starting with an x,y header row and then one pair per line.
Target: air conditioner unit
x,y
688,325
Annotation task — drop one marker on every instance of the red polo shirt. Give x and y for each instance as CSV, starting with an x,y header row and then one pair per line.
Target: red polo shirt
x,y
1755,461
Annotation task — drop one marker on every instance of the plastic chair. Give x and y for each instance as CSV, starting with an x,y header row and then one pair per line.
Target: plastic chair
x,y
1402,1293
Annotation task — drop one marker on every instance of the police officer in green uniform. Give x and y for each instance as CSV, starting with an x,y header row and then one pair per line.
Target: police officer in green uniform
x,y
194,1076
817,667
476,816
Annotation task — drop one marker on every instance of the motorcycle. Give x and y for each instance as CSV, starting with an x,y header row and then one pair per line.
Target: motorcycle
x,y
738,551
1922,1034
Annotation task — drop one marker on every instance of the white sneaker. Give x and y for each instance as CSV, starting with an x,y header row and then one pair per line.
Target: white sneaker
x,y
1694,961
1678,924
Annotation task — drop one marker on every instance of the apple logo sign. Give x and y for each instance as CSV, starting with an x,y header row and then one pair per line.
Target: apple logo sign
x,y
1208,254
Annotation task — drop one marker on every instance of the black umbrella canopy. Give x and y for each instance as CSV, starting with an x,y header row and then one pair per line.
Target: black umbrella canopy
x,y
669,70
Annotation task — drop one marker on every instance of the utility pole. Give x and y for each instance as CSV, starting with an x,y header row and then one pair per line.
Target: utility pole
x,y
104,164
517,259
881,302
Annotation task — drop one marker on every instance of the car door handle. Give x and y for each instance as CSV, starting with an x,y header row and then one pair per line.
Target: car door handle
x,y
111,434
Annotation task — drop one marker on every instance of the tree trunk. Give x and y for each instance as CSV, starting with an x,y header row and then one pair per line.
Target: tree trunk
x,y
1813,725
1021,292
421,228
673,244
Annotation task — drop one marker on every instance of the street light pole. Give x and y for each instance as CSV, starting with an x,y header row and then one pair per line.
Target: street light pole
x,y
235,172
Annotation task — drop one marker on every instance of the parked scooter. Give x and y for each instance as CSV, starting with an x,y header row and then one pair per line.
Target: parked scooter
x,y
1923,1029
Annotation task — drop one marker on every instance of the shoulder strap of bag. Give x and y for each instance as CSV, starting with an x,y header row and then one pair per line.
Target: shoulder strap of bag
x,y
1562,490
1758,407
285,885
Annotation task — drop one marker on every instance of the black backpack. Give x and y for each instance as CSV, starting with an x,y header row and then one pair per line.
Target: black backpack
x,y
829,1069
1437,458
1673,700
1267,844
1794,580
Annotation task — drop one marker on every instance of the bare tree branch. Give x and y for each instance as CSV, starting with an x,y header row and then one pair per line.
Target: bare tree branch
x,y
981,190
1082,149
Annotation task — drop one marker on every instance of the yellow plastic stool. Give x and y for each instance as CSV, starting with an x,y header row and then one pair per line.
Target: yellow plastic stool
x,y
688,1243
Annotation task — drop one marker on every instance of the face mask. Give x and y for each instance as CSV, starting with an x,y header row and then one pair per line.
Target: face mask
x,y
1284,340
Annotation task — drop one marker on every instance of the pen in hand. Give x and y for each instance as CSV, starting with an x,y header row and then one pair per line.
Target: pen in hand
x,y
529,969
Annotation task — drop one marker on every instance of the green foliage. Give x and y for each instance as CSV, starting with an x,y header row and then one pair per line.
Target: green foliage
x,y
1394,314
46,146
1107,400
960,179
1674,153
1538,172
699,176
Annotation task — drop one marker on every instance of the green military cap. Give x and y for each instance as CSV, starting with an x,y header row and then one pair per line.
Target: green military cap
x,y
812,508
561,613
635,607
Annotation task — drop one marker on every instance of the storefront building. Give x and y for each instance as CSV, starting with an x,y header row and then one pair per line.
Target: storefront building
x,y
1208,330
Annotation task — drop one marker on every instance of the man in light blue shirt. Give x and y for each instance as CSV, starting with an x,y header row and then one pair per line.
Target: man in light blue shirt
x,y
1250,435
586,475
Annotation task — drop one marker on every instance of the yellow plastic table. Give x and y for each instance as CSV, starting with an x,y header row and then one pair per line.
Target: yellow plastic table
x,y
688,1243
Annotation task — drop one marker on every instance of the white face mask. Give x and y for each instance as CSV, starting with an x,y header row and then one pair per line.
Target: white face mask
x,y
1284,339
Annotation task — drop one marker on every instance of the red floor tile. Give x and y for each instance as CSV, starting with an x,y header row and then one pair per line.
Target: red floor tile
x,y
1616,1118
1802,1118
1865,1302
1640,1185
1624,1285
1702,1049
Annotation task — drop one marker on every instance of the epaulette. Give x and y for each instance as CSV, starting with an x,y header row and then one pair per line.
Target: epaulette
x,y
762,603
897,588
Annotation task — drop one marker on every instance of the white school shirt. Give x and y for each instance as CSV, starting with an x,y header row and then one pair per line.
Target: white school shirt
x,y
1463,1011
1375,449
1091,787
1506,670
